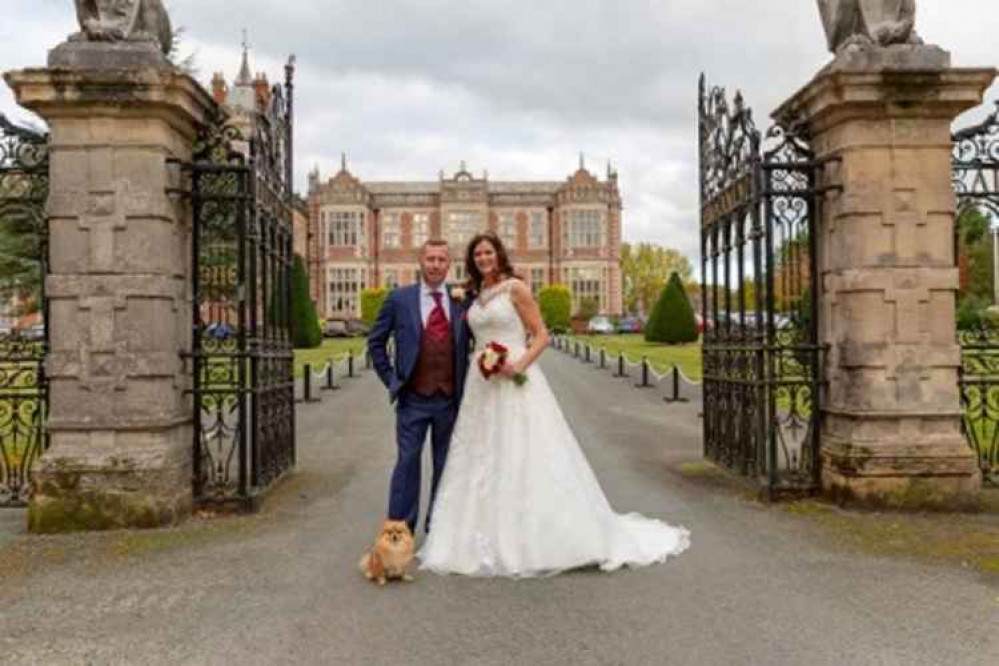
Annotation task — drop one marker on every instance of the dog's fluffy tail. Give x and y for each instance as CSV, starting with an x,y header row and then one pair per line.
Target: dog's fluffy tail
x,y
371,565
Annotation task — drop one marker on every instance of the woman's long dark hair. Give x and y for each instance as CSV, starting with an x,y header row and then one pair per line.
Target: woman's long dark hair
x,y
502,260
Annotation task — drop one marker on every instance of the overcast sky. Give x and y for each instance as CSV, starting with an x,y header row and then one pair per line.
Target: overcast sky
x,y
518,87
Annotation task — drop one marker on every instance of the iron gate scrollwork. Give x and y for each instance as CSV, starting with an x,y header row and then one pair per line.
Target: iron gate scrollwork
x,y
761,355
242,355
24,184
975,175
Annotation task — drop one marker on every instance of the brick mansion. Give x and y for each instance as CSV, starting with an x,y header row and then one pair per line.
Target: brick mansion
x,y
355,234
368,233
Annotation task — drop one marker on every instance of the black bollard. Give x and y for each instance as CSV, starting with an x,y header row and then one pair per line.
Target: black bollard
x,y
330,378
307,384
603,358
645,374
588,353
575,349
676,387
622,370
350,364
367,361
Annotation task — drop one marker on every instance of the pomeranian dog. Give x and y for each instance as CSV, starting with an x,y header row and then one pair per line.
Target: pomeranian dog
x,y
391,554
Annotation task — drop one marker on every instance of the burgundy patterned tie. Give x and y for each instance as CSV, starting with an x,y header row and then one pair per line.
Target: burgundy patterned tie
x,y
437,327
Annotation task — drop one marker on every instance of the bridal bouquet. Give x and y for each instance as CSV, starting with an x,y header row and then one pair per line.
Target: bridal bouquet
x,y
493,358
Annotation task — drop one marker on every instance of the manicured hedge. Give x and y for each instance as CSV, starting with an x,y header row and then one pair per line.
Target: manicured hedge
x,y
371,303
672,321
555,303
304,320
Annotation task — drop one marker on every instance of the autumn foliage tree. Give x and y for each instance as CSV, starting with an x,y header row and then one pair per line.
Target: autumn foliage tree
x,y
645,269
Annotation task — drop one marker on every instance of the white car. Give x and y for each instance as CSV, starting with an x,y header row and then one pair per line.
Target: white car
x,y
600,324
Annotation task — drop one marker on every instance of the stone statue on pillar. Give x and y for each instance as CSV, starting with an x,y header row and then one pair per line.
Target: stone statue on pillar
x,y
877,35
115,34
853,24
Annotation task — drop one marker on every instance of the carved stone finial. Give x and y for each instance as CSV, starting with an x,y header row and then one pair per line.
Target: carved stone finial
x,y
343,161
582,162
124,21
857,24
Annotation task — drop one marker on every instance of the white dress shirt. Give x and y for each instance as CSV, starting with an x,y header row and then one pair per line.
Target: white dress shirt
x,y
427,303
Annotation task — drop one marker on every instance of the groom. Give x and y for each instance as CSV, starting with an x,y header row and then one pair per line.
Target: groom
x,y
426,376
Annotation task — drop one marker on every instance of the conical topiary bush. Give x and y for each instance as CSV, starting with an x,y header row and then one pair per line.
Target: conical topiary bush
x,y
672,321
304,320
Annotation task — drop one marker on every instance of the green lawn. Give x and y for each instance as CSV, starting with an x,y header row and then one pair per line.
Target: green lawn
x,y
331,347
661,357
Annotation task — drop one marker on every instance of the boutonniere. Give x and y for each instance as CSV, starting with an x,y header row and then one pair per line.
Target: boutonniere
x,y
458,293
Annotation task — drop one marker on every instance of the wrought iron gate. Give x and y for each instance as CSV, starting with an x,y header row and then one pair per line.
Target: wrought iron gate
x,y
976,184
242,355
759,297
24,184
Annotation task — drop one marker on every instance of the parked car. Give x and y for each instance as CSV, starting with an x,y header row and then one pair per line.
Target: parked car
x,y
219,331
356,327
600,324
630,325
336,328
34,333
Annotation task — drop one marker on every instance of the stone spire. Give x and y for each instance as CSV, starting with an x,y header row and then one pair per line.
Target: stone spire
x,y
245,78
243,95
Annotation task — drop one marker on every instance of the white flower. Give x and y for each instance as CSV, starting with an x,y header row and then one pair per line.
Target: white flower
x,y
458,293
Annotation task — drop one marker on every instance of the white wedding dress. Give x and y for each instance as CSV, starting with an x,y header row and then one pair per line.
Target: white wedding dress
x,y
517,496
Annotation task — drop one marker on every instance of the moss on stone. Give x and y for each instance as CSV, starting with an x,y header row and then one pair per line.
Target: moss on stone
x,y
54,516
698,469
964,539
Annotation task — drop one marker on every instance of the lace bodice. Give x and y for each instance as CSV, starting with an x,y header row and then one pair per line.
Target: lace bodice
x,y
494,318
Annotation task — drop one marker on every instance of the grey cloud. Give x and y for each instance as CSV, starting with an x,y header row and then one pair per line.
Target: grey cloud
x,y
518,87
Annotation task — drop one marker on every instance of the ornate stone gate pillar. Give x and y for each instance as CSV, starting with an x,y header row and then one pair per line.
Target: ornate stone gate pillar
x,y
118,289
879,120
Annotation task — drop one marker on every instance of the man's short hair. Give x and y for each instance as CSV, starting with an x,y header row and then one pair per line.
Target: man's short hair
x,y
433,242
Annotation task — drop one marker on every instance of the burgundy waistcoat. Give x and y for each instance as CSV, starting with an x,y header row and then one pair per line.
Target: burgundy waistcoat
x,y
435,367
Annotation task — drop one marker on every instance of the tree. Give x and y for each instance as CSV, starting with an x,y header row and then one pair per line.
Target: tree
x,y
976,268
588,308
645,269
555,303
371,303
672,321
975,256
21,234
186,64
304,320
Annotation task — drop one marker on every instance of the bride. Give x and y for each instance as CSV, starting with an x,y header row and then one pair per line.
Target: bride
x,y
517,496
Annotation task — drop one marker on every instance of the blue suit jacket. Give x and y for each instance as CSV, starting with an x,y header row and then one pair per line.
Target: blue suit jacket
x,y
400,319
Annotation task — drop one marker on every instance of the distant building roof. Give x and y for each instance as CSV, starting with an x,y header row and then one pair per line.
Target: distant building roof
x,y
495,187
